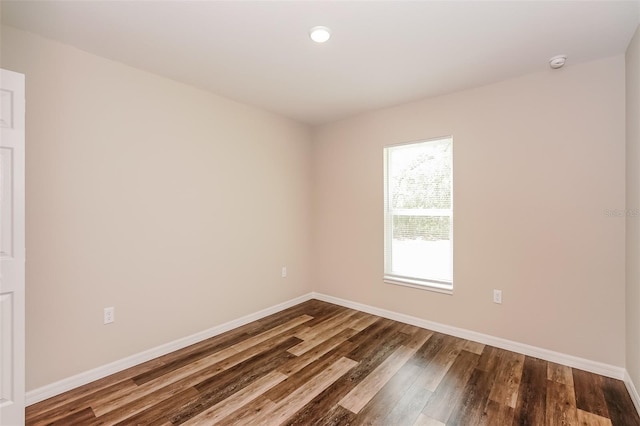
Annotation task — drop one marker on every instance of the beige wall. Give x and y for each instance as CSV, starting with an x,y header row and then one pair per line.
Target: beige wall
x,y
633,206
173,205
537,161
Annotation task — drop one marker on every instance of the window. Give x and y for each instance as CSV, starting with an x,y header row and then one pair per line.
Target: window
x,y
418,214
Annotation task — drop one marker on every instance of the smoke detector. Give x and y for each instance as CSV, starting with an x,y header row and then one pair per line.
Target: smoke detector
x,y
557,61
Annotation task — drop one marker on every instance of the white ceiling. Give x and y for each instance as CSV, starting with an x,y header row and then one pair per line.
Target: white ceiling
x,y
381,53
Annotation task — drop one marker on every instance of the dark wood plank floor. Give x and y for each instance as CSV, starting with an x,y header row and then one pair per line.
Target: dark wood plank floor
x,y
322,364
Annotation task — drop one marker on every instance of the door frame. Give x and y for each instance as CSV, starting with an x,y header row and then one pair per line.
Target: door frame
x,y
12,248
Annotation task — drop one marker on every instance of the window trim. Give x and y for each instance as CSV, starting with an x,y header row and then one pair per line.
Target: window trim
x,y
435,285
430,285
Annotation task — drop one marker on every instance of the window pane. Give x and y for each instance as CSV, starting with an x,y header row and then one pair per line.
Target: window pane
x,y
421,247
426,228
420,176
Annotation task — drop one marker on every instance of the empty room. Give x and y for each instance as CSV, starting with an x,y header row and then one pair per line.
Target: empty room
x,y
320,212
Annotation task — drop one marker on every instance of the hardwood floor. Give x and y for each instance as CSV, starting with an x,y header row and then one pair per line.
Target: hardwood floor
x,y
323,364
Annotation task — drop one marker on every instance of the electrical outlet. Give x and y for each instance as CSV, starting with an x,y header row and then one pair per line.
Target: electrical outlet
x,y
497,296
109,315
284,272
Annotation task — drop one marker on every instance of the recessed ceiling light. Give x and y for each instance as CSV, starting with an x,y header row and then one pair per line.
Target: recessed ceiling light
x,y
320,34
557,61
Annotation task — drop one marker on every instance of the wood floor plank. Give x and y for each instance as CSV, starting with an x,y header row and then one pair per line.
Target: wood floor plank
x,y
304,394
427,421
264,336
589,393
589,419
340,339
75,399
490,359
327,325
315,308
294,381
226,407
165,386
471,408
389,373
370,354
559,373
336,416
507,382
246,414
84,416
376,411
364,391
210,365
429,350
191,355
319,334
322,312
383,331
363,322
561,404
532,395
61,411
473,347
441,362
157,413
477,407
497,414
619,405
407,410
448,393
223,385
115,402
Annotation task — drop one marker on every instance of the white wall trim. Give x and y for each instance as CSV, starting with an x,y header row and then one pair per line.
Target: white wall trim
x,y
633,392
86,377
545,354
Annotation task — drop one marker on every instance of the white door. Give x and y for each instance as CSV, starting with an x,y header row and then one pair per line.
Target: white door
x,y
12,255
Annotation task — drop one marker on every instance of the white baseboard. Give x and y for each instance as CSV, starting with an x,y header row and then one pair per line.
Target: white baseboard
x,y
86,377
64,385
545,354
633,392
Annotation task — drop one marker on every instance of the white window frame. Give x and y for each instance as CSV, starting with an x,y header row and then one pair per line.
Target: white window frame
x,y
437,285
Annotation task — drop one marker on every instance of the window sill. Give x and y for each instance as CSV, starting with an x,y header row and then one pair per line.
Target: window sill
x,y
422,285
